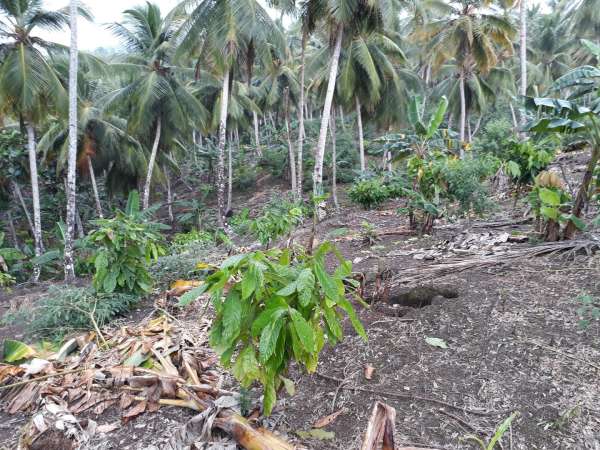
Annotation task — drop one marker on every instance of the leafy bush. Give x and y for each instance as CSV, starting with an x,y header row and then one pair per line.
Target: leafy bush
x,y
275,310
278,219
240,223
496,138
178,266
526,159
182,240
465,182
551,204
368,193
124,248
67,309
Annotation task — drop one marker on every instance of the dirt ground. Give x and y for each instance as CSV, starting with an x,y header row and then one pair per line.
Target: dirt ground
x,y
512,335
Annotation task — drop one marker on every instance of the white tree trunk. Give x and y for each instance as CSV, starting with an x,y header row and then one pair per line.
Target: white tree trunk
x,y
463,111
169,195
343,122
301,113
35,197
333,132
19,195
333,69
221,155
256,135
523,52
95,188
229,174
289,142
361,142
151,163
72,158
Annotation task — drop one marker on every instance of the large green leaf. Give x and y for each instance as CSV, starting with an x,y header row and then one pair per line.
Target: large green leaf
x,y
437,118
16,351
245,369
304,331
549,197
268,339
232,316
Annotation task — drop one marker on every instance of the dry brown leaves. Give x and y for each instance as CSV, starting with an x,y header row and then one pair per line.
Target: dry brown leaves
x,y
158,362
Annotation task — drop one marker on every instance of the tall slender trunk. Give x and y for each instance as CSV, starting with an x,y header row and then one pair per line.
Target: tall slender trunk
x,y
289,142
523,52
257,150
79,222
477,125
333,132
463,111
11,230
583,194
342,121
513,116
450,120
301,113
17,192
361,141
221,146
35,196
469,134
229,173
169,195
335,59
151,164
72,159
95,188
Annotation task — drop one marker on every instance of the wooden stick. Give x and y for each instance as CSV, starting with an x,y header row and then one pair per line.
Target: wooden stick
x,y
44,377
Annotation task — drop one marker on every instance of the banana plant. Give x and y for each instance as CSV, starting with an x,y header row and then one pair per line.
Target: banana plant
x,y
423,134
573,115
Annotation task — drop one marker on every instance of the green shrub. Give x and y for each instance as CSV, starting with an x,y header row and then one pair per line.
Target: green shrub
x,y
178,266
588,311
496,138
276,310
240,222
182,240
369,193
526,159
68,309
278,219
125,247
465,179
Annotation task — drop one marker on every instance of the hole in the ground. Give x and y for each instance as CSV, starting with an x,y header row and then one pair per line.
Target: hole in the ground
x,y
421,296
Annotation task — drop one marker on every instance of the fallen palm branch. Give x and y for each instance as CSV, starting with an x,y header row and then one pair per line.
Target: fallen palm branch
x,y
419,274
380,428
157,363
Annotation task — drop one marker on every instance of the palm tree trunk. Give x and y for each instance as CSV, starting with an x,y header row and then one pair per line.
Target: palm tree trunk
x,y
469,134
95,188
301,113
463,111
513,116
229,173
69,265
333,132
523,52
335,59
169,195
289,141
361,142
79,222
11,230
342,121
258,150
35,196
151,164
19,195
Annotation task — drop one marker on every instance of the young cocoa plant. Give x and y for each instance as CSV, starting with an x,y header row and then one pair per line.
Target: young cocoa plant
x,y
272,309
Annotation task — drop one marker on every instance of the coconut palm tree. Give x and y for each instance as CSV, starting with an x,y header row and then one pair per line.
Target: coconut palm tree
x,y
30,89
73,132
473,39
368,62
225,32
157,99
